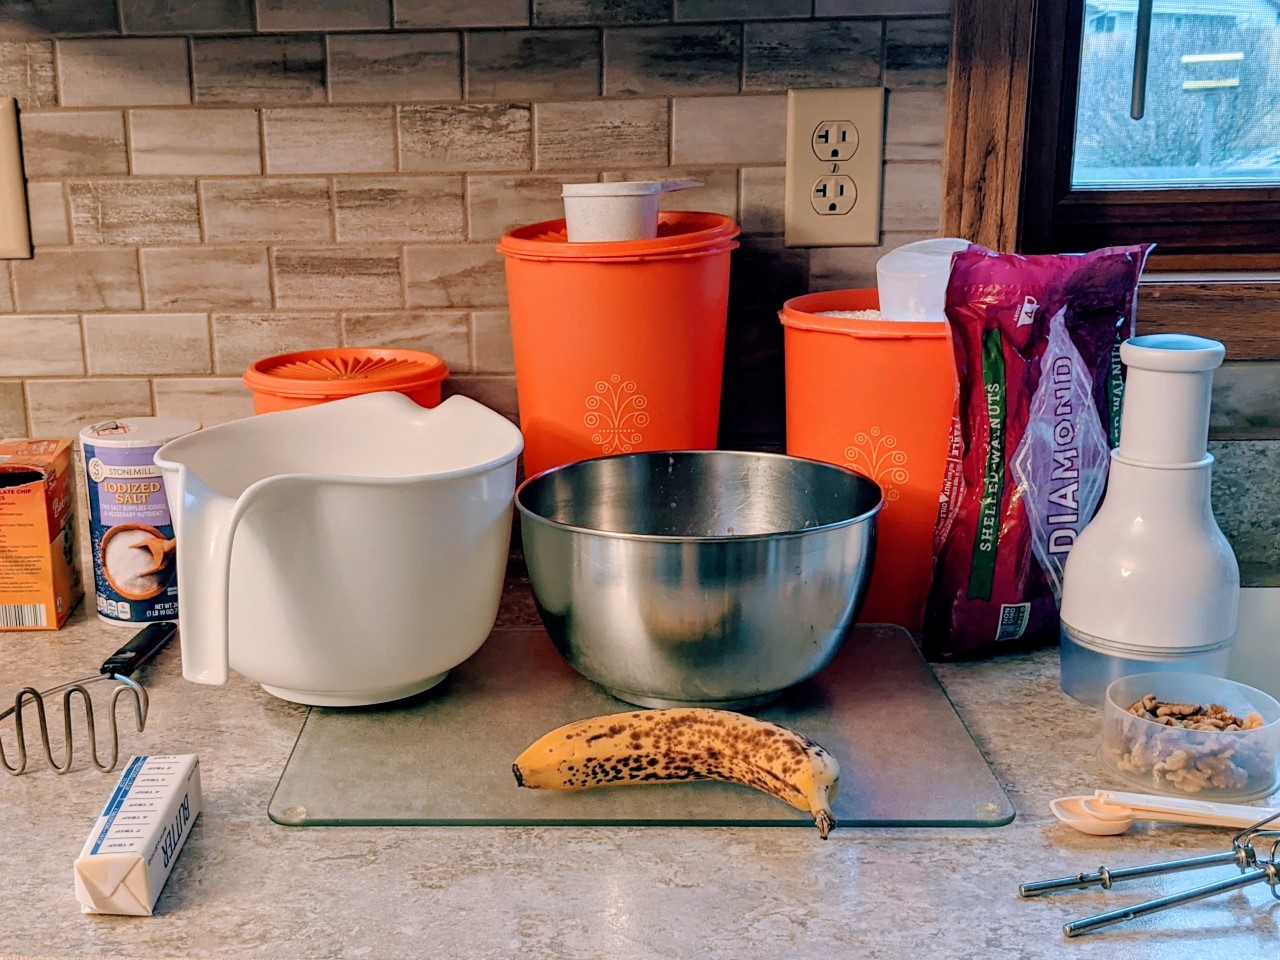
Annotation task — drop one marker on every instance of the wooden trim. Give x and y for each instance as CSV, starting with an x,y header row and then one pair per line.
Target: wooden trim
x,y
988,76
1244,316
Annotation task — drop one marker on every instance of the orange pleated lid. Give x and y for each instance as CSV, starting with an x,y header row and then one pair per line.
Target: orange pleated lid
x,y
344,372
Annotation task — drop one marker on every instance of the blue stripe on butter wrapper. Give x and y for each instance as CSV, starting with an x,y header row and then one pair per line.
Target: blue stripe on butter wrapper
x,y
118,797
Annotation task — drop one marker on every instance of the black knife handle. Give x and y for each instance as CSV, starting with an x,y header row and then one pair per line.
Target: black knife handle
x,y
146,643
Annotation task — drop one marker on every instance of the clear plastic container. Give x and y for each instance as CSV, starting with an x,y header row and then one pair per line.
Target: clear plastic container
x,y
1180,762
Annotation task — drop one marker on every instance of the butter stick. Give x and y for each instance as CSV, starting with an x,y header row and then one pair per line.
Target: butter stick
x,y
133,846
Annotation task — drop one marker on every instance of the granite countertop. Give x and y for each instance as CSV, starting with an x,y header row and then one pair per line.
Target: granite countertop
x,y
245,887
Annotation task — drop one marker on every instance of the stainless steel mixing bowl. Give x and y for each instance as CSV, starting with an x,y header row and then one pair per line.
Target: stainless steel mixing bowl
x,y
708,578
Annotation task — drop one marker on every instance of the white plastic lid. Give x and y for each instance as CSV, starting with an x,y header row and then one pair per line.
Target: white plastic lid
x,y
137,431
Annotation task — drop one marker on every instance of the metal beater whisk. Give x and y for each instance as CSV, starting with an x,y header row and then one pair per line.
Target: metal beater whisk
x,y
120,667
1243,854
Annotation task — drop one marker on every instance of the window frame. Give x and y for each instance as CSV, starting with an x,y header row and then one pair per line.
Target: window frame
x,y
1055,218
1007,171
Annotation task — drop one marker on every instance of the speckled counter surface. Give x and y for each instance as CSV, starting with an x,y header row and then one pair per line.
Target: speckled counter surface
x,y
245,887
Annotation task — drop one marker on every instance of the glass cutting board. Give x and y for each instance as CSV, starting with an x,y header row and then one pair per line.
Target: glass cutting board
x,y
444,757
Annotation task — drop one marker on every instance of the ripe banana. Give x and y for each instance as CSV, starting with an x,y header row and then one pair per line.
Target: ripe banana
x,y
685,743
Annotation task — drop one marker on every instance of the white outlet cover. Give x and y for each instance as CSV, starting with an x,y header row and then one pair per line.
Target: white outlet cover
x,y
822,120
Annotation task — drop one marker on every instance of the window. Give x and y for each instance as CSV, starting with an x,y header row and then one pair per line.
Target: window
x,y
1044,156
1212,98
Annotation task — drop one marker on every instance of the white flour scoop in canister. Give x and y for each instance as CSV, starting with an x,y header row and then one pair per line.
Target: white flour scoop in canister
x,y
617,210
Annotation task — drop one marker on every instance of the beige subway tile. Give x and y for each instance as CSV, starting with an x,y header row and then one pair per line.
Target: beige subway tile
x,y
631,133
811,53
78,280
455,275
841,268
258,70
912,196
426,14
729,129
40,347
1246,403
186,16
324,14
357,277
207,400
59,408
718,193
74,143
465,136
496,393
24,19
744,9
125,72
242,339
652,61
6,297
207,141
13,409
491,333
330,140
398,208
916,52
533,64
134,211
147,343
496,204
876,8
47,207
266,209
763,199
917,119
445,333
599,12
26,72
206,278
384,67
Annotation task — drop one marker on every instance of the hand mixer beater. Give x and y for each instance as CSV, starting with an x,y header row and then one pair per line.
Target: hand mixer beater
x,y
1244,854
118,667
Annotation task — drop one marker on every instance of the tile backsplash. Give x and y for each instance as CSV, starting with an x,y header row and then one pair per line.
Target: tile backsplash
x,y
215,181
211,182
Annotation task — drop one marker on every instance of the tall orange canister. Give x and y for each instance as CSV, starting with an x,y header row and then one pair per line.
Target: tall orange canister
x,y
877,396
619,346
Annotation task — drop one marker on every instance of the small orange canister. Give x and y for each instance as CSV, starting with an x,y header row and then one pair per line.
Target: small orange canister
x,y
291,380
877,396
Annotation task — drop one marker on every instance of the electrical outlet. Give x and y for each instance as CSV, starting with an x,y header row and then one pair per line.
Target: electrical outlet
x,y
834,196
835,166
835,140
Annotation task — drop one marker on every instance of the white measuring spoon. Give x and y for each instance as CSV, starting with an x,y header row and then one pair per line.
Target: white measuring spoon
x,y
1118,818
1228,814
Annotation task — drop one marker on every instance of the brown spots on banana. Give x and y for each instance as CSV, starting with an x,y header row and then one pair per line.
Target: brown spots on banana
x,y
681,744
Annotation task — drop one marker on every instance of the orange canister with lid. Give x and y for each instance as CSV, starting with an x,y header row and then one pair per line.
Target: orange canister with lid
x,y
291,380
619,346
878,396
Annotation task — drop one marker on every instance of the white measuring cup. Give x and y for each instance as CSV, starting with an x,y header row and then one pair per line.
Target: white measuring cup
x,y
617,210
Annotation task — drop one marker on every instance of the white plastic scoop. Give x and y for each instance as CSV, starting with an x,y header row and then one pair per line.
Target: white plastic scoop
x,y
1108,813
616,210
